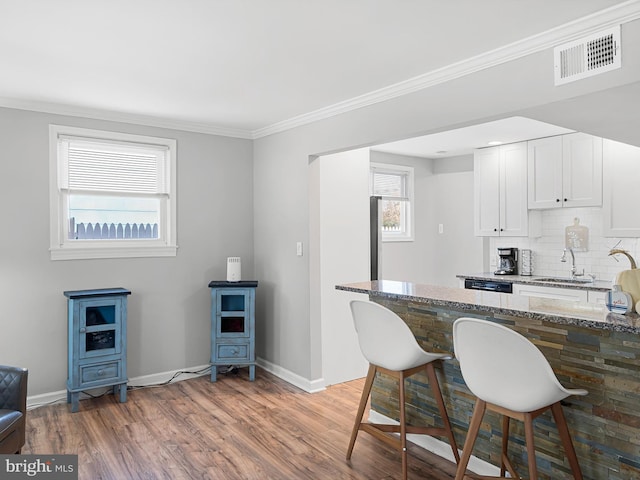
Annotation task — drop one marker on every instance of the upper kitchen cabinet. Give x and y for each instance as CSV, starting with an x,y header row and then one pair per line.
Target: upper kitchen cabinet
x,y
620,201
565,171
500,191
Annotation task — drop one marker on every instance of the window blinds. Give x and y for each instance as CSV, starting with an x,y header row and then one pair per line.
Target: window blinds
x,y
113,167
390,186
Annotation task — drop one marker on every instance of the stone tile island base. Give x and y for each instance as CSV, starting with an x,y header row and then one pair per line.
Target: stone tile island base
x,y
604,425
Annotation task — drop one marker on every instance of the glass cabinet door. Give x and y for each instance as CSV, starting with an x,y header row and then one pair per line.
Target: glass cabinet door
x,y
232,311
99,327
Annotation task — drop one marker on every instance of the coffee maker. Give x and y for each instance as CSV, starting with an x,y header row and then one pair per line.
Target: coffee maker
x,y
507,261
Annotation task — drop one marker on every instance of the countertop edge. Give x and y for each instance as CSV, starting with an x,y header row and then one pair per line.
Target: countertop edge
x,y
608,321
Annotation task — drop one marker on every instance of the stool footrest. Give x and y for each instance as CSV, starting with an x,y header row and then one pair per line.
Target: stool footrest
x,y
490,477
385,427
381,435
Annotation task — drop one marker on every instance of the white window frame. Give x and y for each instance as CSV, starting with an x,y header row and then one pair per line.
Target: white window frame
x,y
406,234
63,248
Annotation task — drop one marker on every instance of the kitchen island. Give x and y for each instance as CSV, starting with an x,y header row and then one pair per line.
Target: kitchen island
x,y
586,346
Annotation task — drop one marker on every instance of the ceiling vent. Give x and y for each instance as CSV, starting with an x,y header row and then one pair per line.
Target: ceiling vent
x,y
589,56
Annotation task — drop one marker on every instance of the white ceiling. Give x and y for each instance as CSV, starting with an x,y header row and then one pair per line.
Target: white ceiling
x,y
462,141
245,65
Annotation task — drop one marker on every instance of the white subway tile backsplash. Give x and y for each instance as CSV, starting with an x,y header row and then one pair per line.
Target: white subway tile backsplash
x,y
547,249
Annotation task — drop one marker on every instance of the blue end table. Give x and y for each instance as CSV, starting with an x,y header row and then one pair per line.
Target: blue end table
x,y
233,330
97,342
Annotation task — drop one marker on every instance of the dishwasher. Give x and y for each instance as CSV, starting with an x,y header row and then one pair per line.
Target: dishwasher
x,y
489,285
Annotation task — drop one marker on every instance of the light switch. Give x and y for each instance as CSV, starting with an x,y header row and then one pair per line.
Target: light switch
x,y
299,249
440,228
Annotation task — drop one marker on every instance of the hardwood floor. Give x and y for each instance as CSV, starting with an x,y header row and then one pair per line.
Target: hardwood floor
x,y
231,429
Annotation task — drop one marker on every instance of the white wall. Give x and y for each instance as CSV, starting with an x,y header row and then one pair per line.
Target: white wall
x,y
169,308
342,225
411,260
291,339
443,196
339,204
456,249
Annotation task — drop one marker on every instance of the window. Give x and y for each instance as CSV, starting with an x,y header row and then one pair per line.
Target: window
x,y
111,194
394,183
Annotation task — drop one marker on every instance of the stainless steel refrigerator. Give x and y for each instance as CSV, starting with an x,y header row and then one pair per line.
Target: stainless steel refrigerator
x,y
375,236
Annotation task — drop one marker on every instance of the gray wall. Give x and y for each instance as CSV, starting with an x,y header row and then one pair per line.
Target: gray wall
x,y
292,339
169,307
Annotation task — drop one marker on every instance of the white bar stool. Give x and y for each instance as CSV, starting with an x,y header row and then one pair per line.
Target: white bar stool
x,y
510,376
389,346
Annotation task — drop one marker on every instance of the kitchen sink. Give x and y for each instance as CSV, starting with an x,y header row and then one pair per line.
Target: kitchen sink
x,y
564,280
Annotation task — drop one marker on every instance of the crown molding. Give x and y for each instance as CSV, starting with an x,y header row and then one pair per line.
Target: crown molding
x,y
618,14
97,114
615,15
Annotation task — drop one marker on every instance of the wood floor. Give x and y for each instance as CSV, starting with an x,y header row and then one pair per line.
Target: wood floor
x,y
231,429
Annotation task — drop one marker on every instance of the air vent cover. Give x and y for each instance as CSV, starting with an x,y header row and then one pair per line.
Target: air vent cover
x,y
592,55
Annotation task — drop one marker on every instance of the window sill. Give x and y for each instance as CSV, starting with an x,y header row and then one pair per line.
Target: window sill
x,y
101,251
397,239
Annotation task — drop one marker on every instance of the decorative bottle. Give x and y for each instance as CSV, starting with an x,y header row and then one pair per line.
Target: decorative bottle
x,y
619,301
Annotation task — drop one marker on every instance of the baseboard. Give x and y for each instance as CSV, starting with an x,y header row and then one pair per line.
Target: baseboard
x,y
34,401
163,377
438,447
309,386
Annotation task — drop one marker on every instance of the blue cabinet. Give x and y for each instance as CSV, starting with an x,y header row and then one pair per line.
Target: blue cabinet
x,y
97,342
233,325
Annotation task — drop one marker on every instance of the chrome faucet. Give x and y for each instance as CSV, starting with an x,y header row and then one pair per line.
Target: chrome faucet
x,y
574,273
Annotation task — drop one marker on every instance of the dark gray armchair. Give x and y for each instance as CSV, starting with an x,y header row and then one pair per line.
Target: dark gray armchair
x,y
13,408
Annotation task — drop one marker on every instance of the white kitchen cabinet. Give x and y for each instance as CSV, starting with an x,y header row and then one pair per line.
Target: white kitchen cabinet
x,y
620,201
565,171
556,293
597,296
544,162
500,191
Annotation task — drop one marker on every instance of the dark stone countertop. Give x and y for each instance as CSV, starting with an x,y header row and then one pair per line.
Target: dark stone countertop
x,y
557,311
597,285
